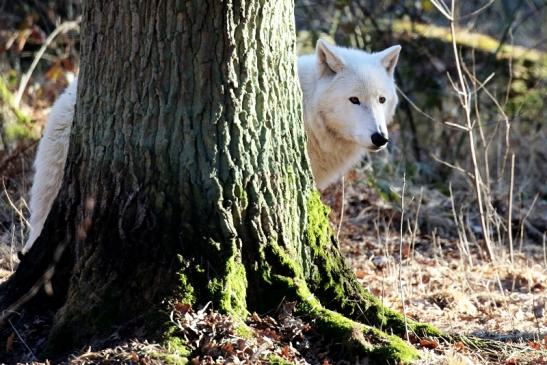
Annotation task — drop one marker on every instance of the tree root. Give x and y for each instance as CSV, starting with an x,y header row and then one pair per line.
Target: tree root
x,y
368,341
359,339
333,283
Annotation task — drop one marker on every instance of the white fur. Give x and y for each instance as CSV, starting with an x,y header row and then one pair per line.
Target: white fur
x,y
50,161
338,131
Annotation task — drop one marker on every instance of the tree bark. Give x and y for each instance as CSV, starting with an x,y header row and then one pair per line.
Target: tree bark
x,y
187,180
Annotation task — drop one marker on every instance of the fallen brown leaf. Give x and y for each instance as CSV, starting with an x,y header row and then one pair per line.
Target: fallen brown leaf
x,y
9,342
459,346
285,352
429,343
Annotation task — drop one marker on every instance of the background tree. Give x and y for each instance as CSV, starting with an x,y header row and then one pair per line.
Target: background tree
x,y
187,180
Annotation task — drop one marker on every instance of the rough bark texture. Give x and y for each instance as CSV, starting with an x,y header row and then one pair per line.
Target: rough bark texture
x,y
189,144
188,180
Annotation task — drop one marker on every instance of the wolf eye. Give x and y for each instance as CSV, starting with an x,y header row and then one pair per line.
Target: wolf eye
x,y
354,100
382,100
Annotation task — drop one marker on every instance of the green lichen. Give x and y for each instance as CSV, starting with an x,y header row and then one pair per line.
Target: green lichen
x,y
241,194
320,238
424,329
285,260
333,281
327,272
178,353
171,359
384,317
394,350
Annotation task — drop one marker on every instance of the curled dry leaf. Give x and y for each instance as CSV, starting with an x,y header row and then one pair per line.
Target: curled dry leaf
x,y
534,345
459,346
182,308
429,343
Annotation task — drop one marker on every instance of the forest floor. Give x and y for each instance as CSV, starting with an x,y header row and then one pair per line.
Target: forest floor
x,y
453,286
445,282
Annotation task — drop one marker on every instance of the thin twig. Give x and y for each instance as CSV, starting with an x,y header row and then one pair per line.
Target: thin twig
x,y
478,11
465,100
455,167
12,204
524,220
62,28
342,207
544,250
401,256
463,243
34,358
441,6
416,107
414,232
509,218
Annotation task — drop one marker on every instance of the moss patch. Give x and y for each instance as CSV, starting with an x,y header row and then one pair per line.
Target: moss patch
x,y
185,292
231,289
318,230
360,339
274,359
178,353
20,127
334,283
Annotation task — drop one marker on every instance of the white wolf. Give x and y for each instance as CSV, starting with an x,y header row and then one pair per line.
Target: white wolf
x,y
349,98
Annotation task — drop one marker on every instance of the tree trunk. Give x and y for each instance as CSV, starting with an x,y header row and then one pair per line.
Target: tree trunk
x,y
187,180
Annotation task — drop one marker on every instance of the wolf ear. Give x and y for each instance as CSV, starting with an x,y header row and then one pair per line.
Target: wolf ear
x,y
389,57
329,62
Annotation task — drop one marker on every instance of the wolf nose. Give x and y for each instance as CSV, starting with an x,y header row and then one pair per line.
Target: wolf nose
x,y
378,139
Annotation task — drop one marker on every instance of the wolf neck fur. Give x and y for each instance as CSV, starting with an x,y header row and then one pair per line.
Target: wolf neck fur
x,y
331,155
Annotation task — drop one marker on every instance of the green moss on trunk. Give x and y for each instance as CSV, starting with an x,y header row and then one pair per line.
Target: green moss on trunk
x,y
231,289
334,283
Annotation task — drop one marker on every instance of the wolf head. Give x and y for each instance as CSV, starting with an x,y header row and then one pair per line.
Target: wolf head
x,y
354,97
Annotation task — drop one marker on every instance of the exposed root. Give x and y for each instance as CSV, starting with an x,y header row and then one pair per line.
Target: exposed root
x,y
334,284
360,339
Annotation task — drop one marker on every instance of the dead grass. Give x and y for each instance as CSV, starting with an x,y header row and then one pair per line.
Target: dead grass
x,y
457,292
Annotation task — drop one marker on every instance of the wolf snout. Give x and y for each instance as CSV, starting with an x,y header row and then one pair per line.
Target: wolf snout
x,y
379,140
